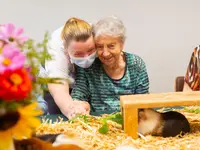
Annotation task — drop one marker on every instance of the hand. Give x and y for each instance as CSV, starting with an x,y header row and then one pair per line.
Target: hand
x,y
82,107
77,107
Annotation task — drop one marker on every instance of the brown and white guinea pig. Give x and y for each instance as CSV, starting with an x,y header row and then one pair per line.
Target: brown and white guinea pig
x,y
167,124
46,142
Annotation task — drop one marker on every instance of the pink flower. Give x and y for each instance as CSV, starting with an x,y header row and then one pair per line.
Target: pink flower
x,y
11,58
9,34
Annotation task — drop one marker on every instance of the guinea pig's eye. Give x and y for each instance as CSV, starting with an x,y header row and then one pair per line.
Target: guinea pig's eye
x,y
22,147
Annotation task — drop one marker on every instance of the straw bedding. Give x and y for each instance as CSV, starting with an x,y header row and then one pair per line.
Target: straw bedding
x,y
88,133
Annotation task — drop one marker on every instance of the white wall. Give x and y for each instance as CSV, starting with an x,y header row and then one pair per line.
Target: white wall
x,y
162,32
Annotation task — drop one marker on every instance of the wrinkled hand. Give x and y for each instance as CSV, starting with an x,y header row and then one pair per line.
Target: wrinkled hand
x,y
78,107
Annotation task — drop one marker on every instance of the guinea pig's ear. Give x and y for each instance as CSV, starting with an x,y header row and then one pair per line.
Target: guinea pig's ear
x,y
141,115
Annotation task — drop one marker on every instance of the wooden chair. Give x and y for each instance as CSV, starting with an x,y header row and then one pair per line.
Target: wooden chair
x,y
179,83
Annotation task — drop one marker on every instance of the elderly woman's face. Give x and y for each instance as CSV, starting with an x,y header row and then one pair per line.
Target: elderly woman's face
x,y
109,49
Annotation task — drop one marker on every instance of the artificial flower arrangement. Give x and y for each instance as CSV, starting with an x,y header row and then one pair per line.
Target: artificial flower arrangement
x,y
20,58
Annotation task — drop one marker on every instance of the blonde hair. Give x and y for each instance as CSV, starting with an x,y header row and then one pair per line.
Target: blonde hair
x,y
75,29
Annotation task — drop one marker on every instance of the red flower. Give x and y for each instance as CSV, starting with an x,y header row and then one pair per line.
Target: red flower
x,y
14,85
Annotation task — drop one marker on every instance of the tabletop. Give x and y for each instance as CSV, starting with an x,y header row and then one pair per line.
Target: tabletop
x,y
54,117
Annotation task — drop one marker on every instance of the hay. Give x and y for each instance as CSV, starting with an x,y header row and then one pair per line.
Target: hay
x,y
92,139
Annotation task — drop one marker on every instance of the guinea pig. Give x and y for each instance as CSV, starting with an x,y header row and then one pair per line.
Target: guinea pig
x,y
167,124
45,142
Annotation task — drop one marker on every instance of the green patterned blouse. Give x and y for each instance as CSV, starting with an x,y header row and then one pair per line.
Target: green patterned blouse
x,y
102,92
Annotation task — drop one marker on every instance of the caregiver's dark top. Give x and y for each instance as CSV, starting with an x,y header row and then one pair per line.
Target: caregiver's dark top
x,y
102,92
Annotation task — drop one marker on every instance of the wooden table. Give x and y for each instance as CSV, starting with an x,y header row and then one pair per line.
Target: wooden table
x,y
131,103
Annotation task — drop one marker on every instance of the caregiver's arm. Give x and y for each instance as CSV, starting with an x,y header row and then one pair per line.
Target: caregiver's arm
x,y
67,106
142,86
58,68
61,96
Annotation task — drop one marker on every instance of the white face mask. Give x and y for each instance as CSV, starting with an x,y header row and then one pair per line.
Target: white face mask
x,y
84,62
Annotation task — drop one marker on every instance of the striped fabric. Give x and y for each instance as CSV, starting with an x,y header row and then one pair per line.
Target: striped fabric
x,y
192,77
102,92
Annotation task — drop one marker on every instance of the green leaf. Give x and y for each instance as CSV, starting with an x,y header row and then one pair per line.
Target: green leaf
x,y
197,110
117,117
104,128
84,117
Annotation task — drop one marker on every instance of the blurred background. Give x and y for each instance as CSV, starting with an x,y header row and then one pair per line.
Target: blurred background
x,y
163,33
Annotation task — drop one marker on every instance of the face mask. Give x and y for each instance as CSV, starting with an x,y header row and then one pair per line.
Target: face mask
x,y
84,62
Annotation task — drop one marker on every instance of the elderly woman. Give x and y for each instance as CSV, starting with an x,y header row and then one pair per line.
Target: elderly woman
x,y
113,73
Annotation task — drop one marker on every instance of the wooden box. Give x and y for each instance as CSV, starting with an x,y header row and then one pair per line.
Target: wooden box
x,y
131,103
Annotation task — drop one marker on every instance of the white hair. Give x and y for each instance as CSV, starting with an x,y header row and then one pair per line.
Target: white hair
x,y
109,26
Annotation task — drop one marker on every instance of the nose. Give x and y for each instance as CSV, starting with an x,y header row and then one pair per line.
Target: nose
x,y
106,53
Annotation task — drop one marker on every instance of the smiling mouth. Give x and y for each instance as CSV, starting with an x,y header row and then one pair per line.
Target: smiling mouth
x,y
107,59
